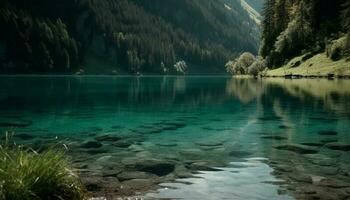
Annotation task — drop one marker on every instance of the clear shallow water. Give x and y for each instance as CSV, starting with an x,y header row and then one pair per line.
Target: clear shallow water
x,y
130,134
252,180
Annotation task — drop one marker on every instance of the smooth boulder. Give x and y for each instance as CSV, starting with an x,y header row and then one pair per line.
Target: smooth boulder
x,y
296,148
91,144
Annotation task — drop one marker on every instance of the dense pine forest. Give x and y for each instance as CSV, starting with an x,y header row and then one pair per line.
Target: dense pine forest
x,y
123,36
294,27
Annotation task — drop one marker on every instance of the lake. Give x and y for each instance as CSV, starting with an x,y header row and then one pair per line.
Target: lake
x,y
167,137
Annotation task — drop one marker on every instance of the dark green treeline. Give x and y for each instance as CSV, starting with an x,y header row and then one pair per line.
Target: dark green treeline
x,y
58,36
293,27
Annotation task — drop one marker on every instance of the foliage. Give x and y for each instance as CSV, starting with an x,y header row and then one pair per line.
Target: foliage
x,y
27,175
35,44
291,27
257,67
246,64
336,49
181,67
136,36
346,16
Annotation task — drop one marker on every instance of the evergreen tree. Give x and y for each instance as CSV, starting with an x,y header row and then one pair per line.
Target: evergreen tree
x,y
268,25
346,16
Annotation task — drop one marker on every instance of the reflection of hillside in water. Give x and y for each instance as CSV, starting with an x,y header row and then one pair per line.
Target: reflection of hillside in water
x,y
327,92
245,90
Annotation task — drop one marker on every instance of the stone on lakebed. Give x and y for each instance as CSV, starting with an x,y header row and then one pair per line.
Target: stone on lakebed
x,y
338,146
296,148
153,166
328,133
284,127
129,175
312,144
274,137
209,143
123,143
107,138
91,144
139,184
24,136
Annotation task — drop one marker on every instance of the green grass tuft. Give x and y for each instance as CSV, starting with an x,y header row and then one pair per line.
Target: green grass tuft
x,y
27,175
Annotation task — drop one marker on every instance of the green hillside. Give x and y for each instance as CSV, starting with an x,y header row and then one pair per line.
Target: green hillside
x,y
122,36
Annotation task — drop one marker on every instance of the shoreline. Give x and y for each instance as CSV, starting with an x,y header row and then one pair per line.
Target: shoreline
x,y
318,66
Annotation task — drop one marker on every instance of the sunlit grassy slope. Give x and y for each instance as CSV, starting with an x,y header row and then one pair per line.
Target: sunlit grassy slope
x,y
318,65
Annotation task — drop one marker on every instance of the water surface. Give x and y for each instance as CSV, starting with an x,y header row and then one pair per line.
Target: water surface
x,y
189,137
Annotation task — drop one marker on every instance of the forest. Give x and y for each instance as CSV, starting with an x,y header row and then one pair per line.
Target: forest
x,y
298,28
132,36
294,27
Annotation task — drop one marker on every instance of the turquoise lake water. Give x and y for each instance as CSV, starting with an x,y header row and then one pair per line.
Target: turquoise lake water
x,y
189,137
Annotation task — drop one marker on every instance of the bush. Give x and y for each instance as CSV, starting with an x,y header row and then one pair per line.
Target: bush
x,y
181,67
240,66
230,66
27,175
337,49
257,67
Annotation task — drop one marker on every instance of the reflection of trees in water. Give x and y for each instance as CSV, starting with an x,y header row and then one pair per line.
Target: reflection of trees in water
x,y
169,90
283,98
245,89
329,93
333,94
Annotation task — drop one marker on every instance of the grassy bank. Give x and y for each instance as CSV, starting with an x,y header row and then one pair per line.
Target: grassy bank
x,y
319,65
27,175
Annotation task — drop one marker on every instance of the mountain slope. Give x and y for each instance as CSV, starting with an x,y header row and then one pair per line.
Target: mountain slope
x,y
122,36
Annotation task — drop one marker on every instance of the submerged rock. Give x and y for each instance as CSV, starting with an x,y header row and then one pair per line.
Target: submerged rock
x,y
328,140
296,148
209,143
328,133
338,146
123,143
301,177
167,144
147,130
97,151
274,137
91,144
284,127
269,118
283,168
129,175
333,183
157,168
178,124
139,184
107,138
24,136
153,166
192,153
313,144
321,160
